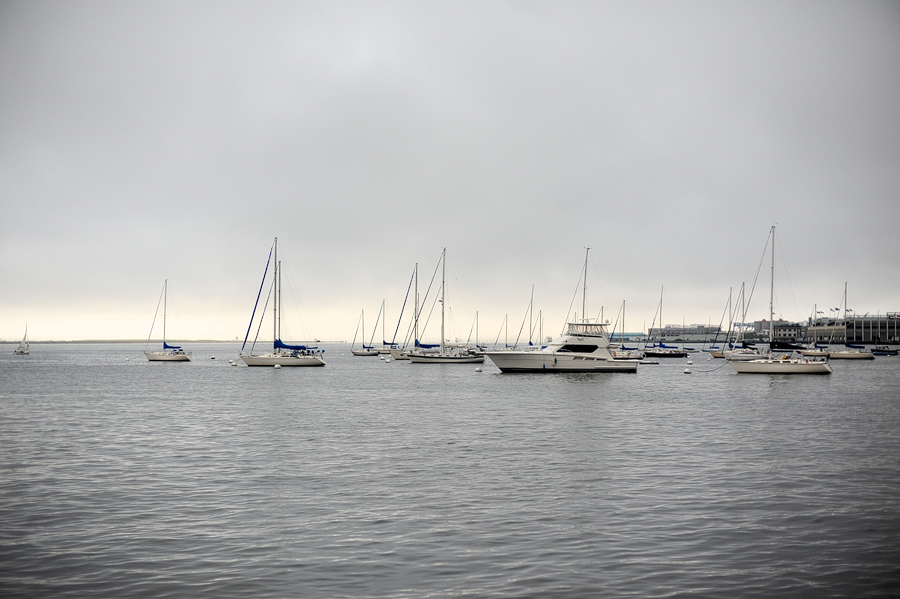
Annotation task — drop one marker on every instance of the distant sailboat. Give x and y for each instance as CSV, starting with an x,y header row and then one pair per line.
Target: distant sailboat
x,y
282,354
852,352
661,350
23,348
783,365
462,355
169,353
367,350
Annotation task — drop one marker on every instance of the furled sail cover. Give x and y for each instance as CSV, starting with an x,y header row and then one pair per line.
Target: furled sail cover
x,y
784,345
427,345
281,345
668,346
167,346
855,346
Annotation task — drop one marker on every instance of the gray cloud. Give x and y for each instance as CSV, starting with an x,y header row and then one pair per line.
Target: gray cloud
x,y
145,141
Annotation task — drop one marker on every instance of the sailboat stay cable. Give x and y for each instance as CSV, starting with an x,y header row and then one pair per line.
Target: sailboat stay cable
x,y
353,343
755,279
574,297
306,330
155,314
261,283
427,291
262,318
496,341
374,329
405,299
524,318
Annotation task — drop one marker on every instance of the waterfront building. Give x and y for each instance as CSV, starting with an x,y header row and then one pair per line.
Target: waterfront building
x,y
786,331
866,329
695,333
873,329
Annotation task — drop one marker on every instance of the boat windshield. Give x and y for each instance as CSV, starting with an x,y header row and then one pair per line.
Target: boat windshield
x,y
595,329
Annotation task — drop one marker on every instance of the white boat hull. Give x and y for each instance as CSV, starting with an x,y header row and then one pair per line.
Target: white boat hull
x,y
165,356
363,352
741,356
787,366
283,360
531,361
444,359
851,355
399,354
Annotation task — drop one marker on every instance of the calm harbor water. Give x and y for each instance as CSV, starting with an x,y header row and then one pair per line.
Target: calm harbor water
x,y
371,479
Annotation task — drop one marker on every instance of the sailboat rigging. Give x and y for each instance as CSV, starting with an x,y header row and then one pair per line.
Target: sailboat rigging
x,y
169,353
282,354
24,346
366,350
783,365
446,355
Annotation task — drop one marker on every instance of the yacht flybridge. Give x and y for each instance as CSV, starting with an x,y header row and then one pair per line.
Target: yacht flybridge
x,y
584,347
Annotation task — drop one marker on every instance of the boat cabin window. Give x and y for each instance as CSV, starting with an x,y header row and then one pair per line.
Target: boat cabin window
x,y
577,348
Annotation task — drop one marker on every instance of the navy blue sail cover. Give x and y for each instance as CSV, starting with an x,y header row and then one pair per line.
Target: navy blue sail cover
x,y
279,344
427,345
167,346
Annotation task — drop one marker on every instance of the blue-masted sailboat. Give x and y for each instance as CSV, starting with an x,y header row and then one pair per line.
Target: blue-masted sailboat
x,y
282,354
169,353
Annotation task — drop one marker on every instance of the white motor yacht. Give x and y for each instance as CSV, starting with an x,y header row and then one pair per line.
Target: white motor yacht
x,y
583,348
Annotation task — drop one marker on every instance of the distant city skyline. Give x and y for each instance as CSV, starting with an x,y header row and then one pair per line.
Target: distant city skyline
x,y
149,141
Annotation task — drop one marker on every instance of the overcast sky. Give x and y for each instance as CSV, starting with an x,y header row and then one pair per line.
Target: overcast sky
x,y
141,141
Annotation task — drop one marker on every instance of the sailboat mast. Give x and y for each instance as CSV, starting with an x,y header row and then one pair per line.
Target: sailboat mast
x,y
530,320
275,323
845,310
443,292
661,291
772,295
584,289
165,299
416,315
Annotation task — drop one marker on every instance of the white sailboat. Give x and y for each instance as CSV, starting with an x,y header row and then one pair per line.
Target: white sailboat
x,y
366,350
447,354
782,365
661,350
851,352
169,353
282,354
584,347
24,346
